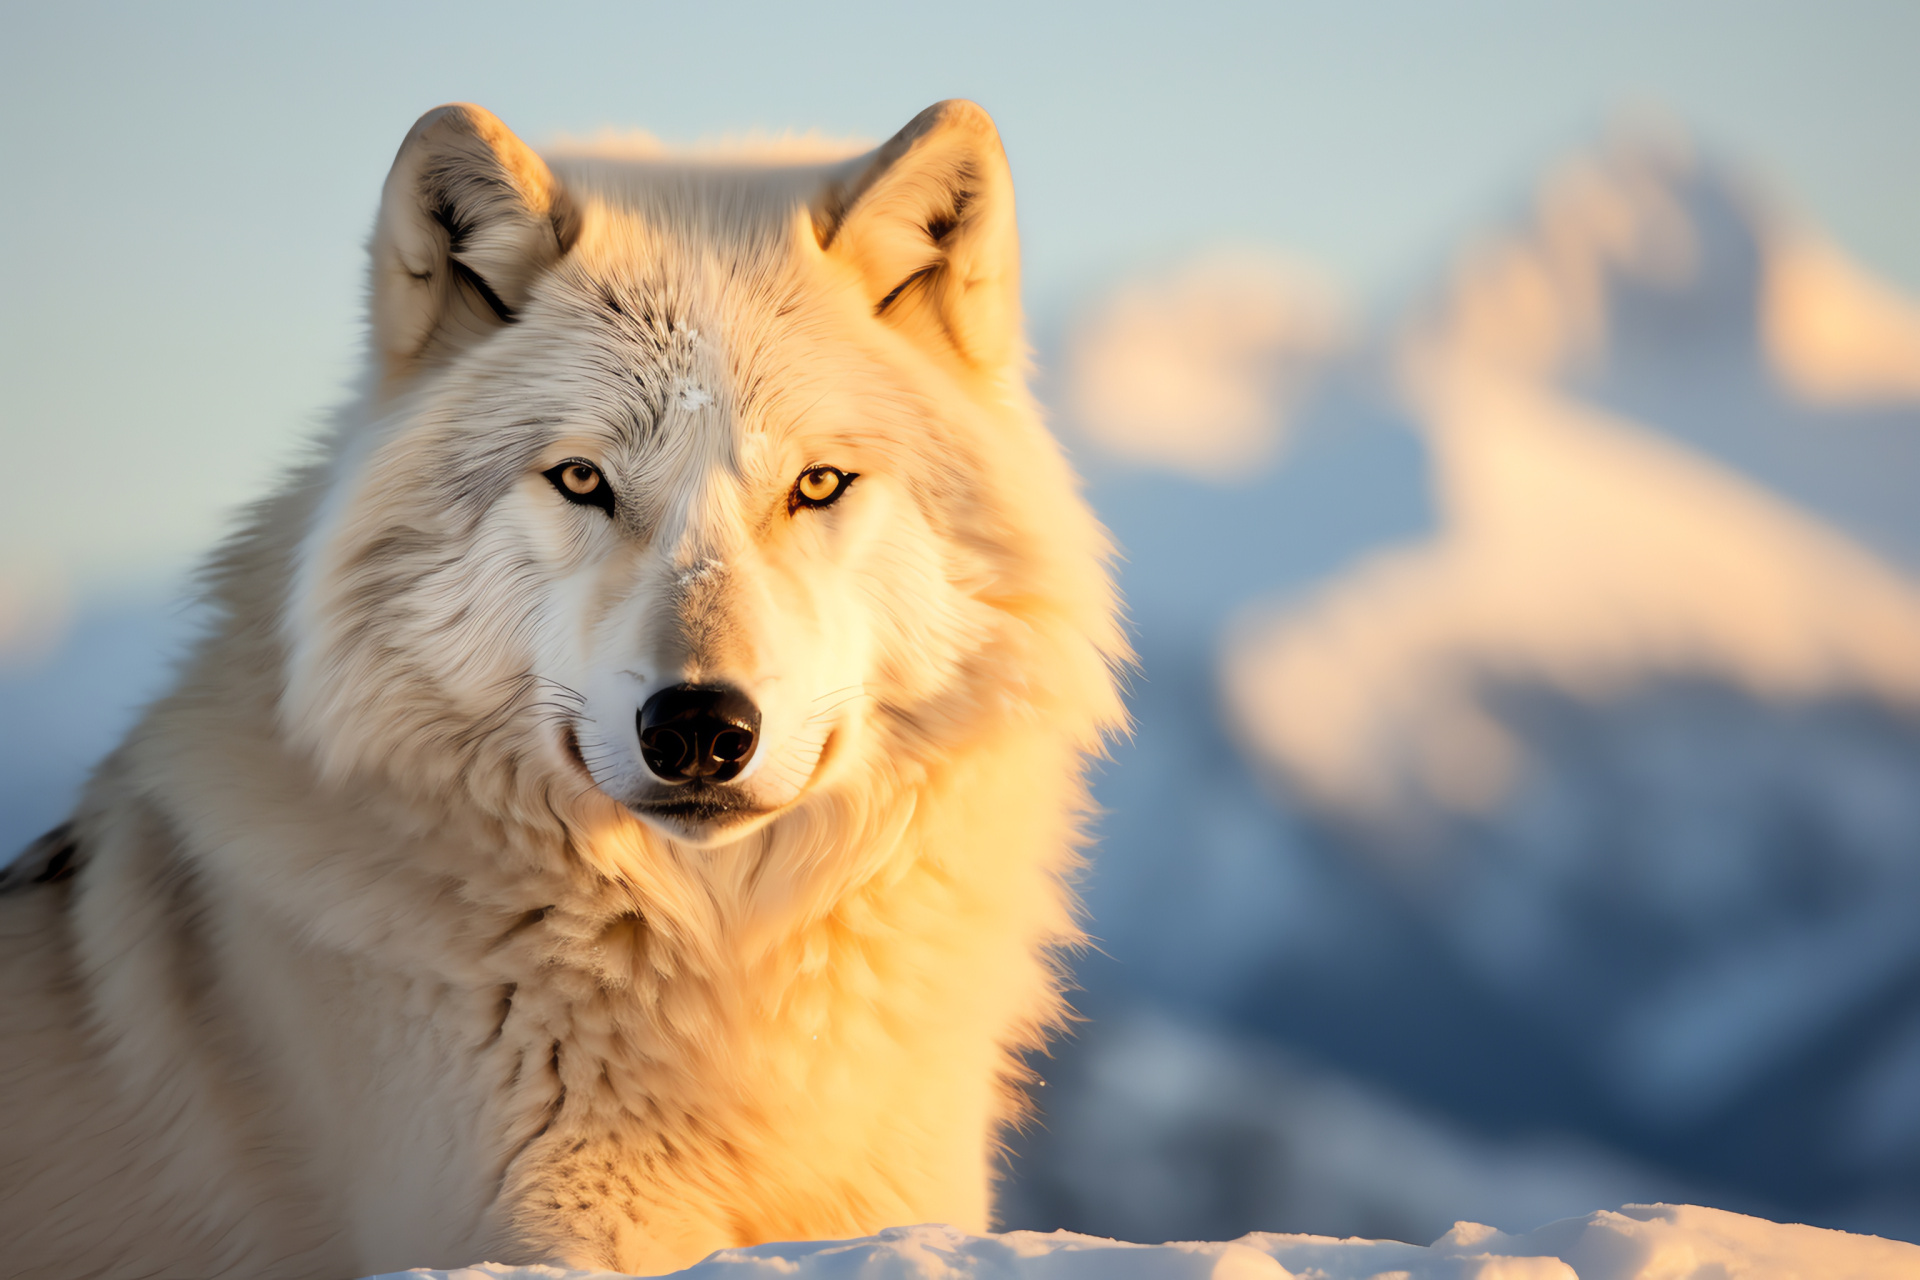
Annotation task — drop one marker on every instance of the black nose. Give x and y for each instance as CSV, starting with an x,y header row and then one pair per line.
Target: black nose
x,y
694,732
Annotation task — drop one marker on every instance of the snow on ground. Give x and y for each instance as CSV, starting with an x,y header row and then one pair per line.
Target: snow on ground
x,y
1635,1242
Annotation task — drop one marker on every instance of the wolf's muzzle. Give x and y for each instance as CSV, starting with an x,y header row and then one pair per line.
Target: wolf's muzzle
x,y
694,733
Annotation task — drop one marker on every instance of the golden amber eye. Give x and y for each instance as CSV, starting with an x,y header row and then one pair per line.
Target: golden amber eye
x,y
580,481
818,486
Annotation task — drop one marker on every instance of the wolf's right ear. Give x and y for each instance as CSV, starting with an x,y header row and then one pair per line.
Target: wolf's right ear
x,y
469,219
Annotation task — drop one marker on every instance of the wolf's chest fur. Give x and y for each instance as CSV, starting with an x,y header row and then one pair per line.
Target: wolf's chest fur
x,y
625,803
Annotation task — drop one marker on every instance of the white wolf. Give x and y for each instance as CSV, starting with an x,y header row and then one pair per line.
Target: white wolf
x,y
624,806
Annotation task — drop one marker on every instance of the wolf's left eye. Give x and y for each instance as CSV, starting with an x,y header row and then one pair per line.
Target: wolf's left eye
x,y
580,481
819,487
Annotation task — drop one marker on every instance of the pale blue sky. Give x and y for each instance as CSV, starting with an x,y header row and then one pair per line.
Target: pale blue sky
x,y
189,185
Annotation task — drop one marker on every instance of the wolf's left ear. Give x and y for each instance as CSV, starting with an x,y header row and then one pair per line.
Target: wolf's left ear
x,y
469,219
927,221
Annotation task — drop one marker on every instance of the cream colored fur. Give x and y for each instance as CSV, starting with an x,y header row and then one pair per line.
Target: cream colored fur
x,y
366,963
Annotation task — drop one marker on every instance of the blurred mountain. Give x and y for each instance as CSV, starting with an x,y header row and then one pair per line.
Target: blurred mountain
x,y
1236,1130
1536,739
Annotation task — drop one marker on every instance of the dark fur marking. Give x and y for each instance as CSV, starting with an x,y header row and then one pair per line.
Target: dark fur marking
x,y
51,859
520,926
505,1010
565,217
450,221
901,288
546,1124
468,276
570,743
966,183
941,225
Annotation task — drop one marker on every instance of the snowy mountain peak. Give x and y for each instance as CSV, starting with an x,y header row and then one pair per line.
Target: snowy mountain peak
x,y
1645,250
1532,300
1633,484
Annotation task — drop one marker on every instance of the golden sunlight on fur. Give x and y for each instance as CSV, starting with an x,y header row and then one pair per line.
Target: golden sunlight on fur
x,y
593,833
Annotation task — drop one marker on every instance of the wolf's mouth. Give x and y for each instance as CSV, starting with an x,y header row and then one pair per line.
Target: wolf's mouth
x,y
698,805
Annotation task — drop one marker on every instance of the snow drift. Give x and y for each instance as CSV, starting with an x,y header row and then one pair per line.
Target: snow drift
x,y
1636,1242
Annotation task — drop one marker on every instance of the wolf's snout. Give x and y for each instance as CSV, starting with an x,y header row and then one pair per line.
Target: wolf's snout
x,y
692,733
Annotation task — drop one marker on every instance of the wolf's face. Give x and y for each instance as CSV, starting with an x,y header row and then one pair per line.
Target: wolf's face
x,y
746,553
692,488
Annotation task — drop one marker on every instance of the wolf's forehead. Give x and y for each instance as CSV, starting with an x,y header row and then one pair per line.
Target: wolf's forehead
x,y
654,270
682,316
682,327
691,273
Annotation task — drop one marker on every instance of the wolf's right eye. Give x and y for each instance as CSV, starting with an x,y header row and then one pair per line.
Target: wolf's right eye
x,y
819,487
580,481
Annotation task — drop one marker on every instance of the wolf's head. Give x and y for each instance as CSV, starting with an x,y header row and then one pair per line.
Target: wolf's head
x,y
710,489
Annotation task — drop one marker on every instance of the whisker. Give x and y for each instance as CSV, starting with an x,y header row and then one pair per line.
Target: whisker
x,y
829,710
845,688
